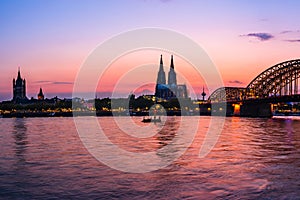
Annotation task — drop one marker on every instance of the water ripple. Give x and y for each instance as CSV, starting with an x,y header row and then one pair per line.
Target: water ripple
x,y
43,158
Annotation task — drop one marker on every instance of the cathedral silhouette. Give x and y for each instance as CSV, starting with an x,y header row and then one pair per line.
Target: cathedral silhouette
x,y
172,89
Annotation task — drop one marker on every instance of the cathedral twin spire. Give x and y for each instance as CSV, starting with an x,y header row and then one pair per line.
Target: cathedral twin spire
x,y
161,78
172,63
172,81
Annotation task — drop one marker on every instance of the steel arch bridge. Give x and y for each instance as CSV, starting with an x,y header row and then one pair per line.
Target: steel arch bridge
x,y
225,94
275,82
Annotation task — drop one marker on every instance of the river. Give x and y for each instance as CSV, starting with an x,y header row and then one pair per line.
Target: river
x,y
44,158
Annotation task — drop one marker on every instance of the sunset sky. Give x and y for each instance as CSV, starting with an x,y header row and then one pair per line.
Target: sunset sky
x,y
50,39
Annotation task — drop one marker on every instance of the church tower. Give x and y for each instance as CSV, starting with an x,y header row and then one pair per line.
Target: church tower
x,y
19,88
161,76
172,81
40,95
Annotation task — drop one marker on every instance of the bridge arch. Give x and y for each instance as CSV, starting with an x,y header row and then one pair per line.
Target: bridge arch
x,y
278,80
227,94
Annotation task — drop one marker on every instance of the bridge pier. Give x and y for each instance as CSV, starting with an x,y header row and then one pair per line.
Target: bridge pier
x,y
222,109
256,109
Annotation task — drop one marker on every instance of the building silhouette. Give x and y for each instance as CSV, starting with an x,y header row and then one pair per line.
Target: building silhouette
x,y
40,95
172,89
19,89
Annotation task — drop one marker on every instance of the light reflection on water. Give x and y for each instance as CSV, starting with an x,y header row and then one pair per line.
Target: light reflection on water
x,y
43,158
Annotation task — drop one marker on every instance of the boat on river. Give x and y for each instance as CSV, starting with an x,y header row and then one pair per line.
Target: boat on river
x,y
286,115
150,119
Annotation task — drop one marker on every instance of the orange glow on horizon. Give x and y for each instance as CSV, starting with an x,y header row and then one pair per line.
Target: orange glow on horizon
x,y
139,69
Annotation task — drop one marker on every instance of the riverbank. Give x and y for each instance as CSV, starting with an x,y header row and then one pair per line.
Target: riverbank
x,y
27,114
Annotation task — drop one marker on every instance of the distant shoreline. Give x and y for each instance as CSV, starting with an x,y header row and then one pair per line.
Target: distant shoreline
x,y
90,113
27,114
